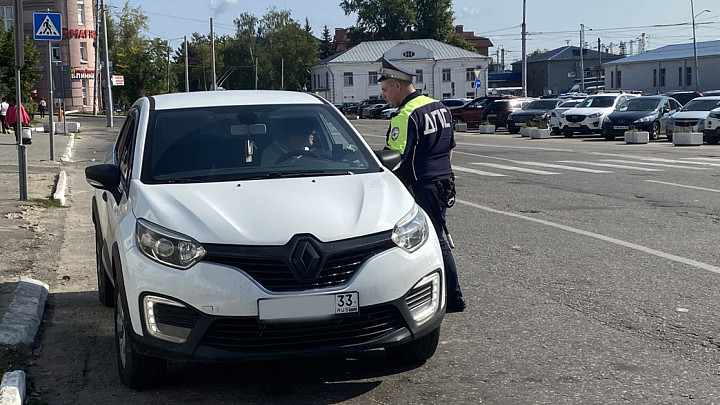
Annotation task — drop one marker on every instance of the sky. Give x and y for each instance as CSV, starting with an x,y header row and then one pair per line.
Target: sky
x,y
550,23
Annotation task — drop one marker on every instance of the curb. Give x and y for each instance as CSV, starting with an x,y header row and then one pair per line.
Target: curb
x,y
12,388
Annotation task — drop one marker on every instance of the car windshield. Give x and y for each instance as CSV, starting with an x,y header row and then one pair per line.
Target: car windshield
x,y
598,102
541,105
228,143
701,104
569,104
640,104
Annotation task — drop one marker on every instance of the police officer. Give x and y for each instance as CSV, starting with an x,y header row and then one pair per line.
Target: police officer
x,y
421,131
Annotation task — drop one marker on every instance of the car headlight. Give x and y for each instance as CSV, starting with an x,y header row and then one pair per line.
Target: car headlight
x,y
562,115
411,232
167,247
671,120
595,115
606,120
714,114
645,119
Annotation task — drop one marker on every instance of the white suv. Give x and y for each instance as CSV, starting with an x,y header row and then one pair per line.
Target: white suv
x,y
712,127
588,115
211,251
692,116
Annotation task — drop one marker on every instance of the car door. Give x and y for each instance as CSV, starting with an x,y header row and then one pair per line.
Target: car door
x,y
474,112
664,114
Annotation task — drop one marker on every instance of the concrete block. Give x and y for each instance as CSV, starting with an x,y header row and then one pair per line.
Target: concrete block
x,y
537,133
62,127
486,129
525,131
687,138
461,127
12,388
637,137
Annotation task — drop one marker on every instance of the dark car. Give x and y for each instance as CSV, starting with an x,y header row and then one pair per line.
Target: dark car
x,y
349,107
683,97
536,111
498,111
647,113
472,112
366,103
376,112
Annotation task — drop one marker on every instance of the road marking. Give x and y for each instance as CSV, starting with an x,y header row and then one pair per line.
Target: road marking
x,y
684,186
656,159
654,164
577,169
513,168
630,245
642,169
717,160
473,171
509,147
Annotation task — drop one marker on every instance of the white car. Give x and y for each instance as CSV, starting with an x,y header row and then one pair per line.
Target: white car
x,y
554,122
209,253
692,115
712,127
388,112
588,115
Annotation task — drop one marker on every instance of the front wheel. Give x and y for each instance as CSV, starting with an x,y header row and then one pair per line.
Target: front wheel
x,y
568,134
417,351
713,138
136,370
105,288
655,131
514,130
609,137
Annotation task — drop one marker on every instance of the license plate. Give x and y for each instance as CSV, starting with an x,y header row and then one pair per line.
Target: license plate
x,y
308,307
621,127
492,115
573,125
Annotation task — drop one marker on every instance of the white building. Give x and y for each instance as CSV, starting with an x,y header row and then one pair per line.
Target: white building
x,y
669,68
442,70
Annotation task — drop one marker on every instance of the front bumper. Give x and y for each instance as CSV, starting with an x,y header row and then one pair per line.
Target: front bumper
x,y
219,311
619,129
588,125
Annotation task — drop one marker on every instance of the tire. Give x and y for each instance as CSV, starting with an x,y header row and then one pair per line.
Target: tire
x,y
417,351
136,370
514,130
655,131
669,136
557,131
609,137
106,291
567,134
712,139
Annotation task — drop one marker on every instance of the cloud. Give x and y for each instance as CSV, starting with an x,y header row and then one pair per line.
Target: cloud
x,y
221,6
468,12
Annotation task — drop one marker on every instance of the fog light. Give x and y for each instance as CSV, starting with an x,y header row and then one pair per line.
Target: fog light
x,y
423,300
157,309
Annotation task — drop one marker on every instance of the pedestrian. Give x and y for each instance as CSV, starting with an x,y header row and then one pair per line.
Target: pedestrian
x,y
11,120
41,107
421,131
3,111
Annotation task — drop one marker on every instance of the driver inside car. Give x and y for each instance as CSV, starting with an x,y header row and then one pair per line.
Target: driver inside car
x,y
293,137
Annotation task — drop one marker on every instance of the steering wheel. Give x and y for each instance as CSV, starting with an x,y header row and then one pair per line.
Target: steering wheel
x,y
297,153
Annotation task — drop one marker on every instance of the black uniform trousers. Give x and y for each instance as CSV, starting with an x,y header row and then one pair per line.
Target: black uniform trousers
x,y
428,198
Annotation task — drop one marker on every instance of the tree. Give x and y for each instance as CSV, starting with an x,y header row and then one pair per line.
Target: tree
x,y
434,19
29,74
325,44
380,19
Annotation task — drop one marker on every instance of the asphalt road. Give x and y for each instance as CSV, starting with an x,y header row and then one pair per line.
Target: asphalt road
x,y
585,282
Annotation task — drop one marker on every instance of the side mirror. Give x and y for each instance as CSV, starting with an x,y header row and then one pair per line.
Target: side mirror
x,y
389,158
105,177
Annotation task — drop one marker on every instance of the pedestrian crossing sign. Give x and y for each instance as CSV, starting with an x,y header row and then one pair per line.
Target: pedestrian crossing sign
x,y
47,26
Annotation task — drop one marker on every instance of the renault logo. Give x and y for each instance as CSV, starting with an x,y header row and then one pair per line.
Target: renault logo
x,y
305,262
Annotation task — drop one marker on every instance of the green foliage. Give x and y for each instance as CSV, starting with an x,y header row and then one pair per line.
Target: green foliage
x,y
380,19
28,74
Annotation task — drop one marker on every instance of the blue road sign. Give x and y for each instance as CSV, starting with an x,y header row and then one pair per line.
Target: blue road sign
x,y
477,83
47,26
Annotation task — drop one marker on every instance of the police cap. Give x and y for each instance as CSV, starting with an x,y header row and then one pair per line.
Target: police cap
x,y
390,71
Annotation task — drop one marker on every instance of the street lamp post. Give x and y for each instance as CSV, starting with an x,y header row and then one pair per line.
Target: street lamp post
x,y
697,70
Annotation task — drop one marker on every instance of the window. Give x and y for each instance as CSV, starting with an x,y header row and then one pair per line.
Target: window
x,y
446,75
418,75
662,77
85,98
612,80
679,77
56,53
470,74
81,13
446,95
408,54
469,95
348,79
654,77
619,78
8,14
83,52
372,78
688,76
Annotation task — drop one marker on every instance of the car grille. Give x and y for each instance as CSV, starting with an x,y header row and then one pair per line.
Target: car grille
x,y
575,118
181,317
279,268
686,122
247,334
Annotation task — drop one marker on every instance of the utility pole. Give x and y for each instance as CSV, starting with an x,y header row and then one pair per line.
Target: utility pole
x,y
106,71
19,63
524,53
187,76
212,51
96,82
599,68
582,59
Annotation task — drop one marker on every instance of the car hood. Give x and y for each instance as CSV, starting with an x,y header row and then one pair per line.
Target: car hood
x,y
530,112
587,110
690,114
270,212
630,116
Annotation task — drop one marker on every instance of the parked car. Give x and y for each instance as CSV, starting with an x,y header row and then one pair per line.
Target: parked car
x,y
472,112
692,115
554,122
712,127
453,103
363,104
388,112
376,112
498,111
588,115
683,96
536,111
708,93
350,106
367,111
208,253
646,113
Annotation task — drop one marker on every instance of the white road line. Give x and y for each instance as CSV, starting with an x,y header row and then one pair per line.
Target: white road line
x,y
473,171
630,245
513,168
683,185
649,159
577,169
642,169
717,160
654,164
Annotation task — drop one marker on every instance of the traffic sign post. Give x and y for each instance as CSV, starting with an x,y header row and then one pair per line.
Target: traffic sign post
x,y
48,27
